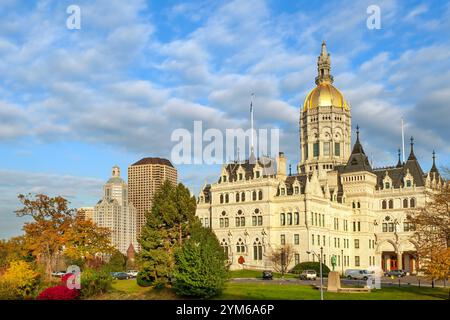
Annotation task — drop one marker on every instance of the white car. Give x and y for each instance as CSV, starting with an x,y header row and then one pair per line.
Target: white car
x,y
308,275
357,274
132,273
58,274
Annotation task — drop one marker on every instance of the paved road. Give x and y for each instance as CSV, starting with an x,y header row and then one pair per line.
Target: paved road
x,y
385,281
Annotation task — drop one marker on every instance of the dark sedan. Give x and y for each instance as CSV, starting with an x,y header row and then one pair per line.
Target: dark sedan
x,y
395,273
120,275
267,275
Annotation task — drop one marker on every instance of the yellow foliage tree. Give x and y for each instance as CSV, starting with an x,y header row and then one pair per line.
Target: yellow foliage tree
x,y
85,240
22,278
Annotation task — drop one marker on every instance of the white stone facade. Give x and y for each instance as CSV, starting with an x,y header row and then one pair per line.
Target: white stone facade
x,y
336,201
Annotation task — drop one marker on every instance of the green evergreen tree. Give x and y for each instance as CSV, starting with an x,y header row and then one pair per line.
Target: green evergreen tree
x,y
201,268
116,262
168,225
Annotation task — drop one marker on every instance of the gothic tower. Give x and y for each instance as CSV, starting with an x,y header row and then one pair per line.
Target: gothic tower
x,y
325,122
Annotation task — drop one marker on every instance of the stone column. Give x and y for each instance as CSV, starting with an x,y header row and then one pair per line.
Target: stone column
x,y
399,260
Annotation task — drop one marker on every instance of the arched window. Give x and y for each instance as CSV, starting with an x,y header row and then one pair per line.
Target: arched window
x,y
296,218
412,203
282,219
405,203
243,196
359,205
260,195
237,197
257,219
383,204
353,205
254,195
289,218
240,220
240,247
257,250
388,225
391,204
227,198
221,198
224,246
224,221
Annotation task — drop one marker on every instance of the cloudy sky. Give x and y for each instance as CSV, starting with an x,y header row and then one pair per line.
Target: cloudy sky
x,y
73,103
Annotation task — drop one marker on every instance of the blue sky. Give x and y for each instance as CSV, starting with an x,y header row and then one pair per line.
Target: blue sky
x,y
73,103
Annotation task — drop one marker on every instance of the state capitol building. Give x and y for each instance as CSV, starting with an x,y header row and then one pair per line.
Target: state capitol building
x,y
336,201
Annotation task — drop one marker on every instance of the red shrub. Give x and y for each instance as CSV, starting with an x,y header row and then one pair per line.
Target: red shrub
x,y
61,292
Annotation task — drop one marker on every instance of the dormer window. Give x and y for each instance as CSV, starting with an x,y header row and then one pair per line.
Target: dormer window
x,y
257,174
282,191
387,185
296,190
408,179
224,178
240,176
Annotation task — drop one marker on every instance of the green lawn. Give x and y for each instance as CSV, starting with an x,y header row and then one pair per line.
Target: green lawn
x,y
267,290
128,289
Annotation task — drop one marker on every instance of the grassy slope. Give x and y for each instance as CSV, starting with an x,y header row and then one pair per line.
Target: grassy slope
x,y
128,289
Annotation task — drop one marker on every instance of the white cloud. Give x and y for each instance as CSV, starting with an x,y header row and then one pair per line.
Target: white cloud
x,y
78,190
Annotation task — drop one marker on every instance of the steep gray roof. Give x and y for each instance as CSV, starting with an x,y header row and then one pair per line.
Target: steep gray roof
x,y
358,160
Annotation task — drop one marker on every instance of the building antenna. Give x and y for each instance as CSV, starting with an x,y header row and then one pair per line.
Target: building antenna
x,y
403,142
251,122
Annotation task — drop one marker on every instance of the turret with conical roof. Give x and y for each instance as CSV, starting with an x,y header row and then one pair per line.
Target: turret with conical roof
x,y
358,160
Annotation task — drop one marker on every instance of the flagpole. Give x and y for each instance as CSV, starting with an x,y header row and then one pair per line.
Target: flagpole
x,y
403,142
251,121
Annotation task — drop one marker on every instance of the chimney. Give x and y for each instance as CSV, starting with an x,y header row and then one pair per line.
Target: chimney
x,y
281,165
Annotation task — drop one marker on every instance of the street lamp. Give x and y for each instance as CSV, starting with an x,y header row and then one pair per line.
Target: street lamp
x,y
320,264
342,261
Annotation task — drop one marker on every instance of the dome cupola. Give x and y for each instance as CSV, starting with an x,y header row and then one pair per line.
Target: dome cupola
x,y
324,94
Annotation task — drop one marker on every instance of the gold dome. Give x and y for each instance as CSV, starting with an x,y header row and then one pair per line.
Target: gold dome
x,y
325,95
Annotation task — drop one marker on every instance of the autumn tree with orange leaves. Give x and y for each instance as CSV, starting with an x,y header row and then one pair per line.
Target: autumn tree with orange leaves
x,y
432,236
57,230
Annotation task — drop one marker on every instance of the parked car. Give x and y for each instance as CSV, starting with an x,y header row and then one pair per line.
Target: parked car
x,y
395,273
308,275
58,274
357,274
267,275
120,275
132,273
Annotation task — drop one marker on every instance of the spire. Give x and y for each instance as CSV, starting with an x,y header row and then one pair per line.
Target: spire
x,y
358,160
324,66
399,163
433,167
412,156
357,148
